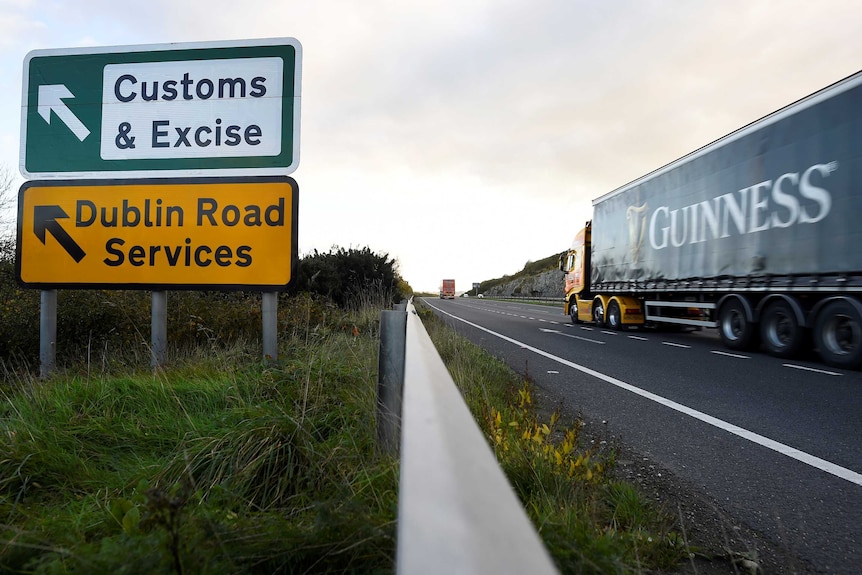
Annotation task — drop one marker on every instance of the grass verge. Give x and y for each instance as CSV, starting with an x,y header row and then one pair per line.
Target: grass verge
x,y
222,464
219,464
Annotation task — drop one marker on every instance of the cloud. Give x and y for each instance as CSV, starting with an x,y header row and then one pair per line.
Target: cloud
x,y
489,115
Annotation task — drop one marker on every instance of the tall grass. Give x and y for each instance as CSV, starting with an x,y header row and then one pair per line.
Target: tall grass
x,y
218,464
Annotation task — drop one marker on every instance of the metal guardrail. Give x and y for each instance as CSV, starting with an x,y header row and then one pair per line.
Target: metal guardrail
x,y
457,512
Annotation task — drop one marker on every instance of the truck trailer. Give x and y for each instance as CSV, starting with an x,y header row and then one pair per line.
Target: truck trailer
x,y
447,289
757,234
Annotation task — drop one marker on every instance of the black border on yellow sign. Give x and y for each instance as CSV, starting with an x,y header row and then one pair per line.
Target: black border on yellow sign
x,y
155,182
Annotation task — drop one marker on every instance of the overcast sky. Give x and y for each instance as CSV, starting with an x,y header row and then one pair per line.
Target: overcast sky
x,y
467,137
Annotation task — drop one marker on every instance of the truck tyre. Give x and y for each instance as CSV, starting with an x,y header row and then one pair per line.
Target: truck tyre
x,y
838,335
614,317
780,331
598,313
736,331
573,312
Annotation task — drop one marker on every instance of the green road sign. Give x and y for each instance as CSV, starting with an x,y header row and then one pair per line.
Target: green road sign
x,y
166,110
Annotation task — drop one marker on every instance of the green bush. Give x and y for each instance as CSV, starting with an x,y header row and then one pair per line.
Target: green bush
x,y
350,277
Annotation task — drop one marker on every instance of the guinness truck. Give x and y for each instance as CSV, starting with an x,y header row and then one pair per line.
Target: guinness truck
x,y
758,234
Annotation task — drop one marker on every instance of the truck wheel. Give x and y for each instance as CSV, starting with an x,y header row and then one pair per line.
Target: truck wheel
x,y
838,335
780,330
736,331
573,312
598,313
614,319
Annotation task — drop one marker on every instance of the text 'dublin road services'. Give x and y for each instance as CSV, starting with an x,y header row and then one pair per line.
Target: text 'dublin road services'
x,y
226,233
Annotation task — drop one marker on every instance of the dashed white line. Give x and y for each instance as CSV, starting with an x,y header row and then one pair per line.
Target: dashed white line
x,y
637,337
672,344
804,368
571,336
598,341
728,354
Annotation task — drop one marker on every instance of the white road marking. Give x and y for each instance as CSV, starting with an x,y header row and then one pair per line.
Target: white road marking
x,y
637,337
792,452
815,370
672,344
728,354
568,335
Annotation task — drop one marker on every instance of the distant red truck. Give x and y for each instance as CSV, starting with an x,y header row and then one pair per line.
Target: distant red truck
x,y
447,290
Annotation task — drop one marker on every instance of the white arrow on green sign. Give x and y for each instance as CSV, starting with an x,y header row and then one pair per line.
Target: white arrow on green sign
x,y
51,100
167,110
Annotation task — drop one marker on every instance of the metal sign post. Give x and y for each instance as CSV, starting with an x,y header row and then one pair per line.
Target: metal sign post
x,y
159,328
47,332
269,318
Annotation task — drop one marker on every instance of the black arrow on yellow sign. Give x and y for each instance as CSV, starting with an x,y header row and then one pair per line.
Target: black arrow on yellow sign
x,y
45,220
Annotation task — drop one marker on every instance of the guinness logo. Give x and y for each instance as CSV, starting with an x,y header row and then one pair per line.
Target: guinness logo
x,y
636,217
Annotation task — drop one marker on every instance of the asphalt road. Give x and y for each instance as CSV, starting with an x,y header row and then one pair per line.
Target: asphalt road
x,y
777,443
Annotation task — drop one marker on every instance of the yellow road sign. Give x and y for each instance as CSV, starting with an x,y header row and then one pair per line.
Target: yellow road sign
x,y
225,233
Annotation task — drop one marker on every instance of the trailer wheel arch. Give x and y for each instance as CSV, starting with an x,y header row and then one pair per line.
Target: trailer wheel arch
x,y
815,311
625,306
751,313
803,318
737,322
